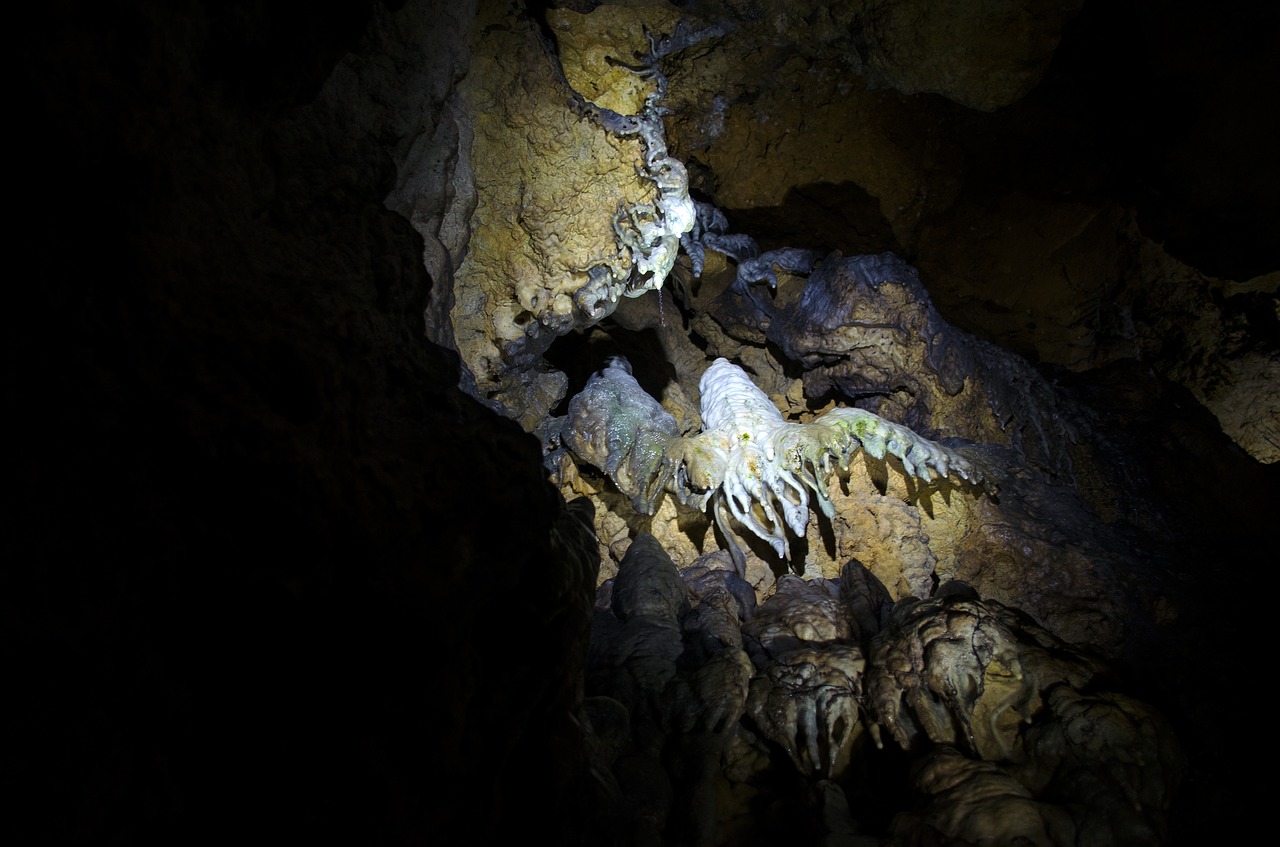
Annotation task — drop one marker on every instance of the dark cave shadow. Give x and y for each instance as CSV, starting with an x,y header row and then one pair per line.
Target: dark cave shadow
x,y
920,494
693,523
877,470
827,532
821,216
582,353
761,548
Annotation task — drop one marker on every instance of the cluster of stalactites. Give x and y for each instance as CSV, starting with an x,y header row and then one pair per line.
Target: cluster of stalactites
x,y
747,459
766,466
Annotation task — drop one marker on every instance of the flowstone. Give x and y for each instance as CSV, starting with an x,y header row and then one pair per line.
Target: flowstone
x,y
578,205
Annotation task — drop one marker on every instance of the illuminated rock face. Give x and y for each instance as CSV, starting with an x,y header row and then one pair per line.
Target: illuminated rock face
x,y
578,201
576,168
858,322
549,184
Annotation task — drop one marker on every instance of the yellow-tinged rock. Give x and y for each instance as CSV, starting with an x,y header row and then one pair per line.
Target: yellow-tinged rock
x,y
548,183
596,47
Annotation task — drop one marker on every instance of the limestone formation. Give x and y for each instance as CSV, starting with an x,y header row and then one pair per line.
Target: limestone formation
x,y
549,183
1004,742
955,670
866,327
329,477
748,461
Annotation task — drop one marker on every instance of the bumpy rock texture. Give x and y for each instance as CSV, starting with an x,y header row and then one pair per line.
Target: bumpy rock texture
x,y
294,393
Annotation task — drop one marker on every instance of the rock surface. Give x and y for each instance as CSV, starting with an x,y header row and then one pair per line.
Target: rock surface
x,y
284,547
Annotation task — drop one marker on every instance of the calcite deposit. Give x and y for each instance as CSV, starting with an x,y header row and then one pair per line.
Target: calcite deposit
x,y
748,462
548,183
579,202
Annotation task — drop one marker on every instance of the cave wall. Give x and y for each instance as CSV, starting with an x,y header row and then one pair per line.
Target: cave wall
x,y
251,498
